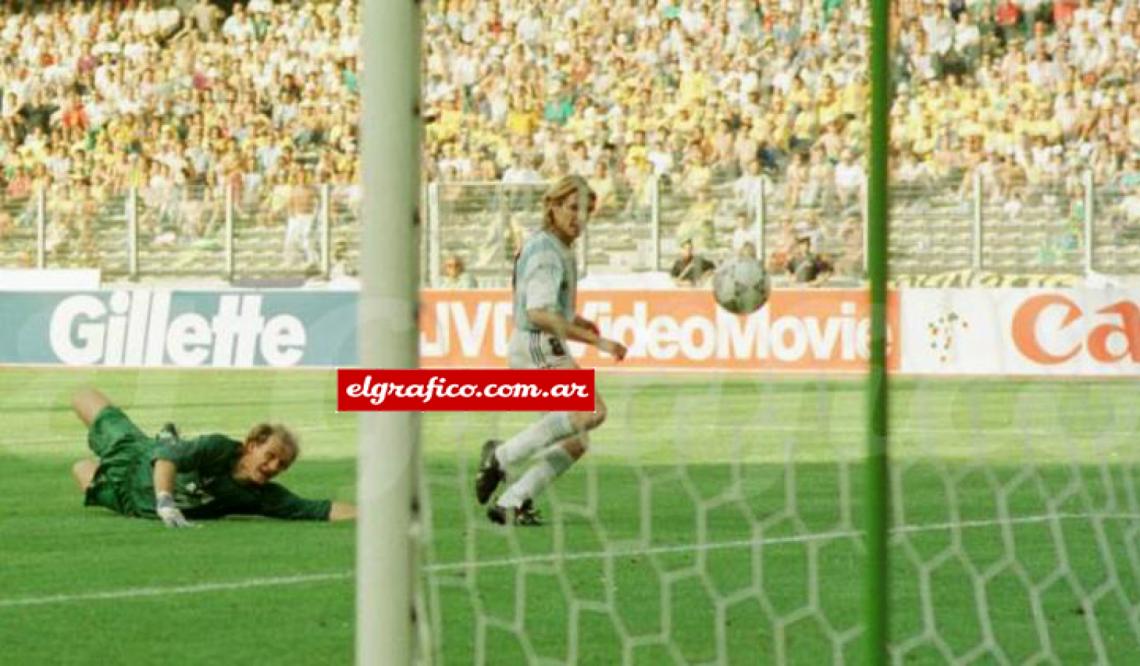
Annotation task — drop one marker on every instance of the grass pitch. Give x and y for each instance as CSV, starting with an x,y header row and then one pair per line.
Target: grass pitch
x,y
716,519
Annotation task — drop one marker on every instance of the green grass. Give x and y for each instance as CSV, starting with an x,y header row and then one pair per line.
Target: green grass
x,y
715,520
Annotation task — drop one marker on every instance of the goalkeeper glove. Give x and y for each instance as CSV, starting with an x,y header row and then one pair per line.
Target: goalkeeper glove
x,y
169,513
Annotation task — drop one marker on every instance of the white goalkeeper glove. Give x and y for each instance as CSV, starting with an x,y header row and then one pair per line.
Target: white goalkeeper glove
x,y
170,515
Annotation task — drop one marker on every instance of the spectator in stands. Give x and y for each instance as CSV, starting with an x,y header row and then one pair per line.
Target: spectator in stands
x,y
691,269
909,171
796,178
745,232
820,190
340,268
37,112
603,183
809,226
850,179
807,267
302,211
455,275
205,17
1008,19
747,189
1129,207
850,262
785,247
518,172
1013,207
995,175
1129,178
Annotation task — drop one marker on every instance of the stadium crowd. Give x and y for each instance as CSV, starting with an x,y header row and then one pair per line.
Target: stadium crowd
x,y
1024,94
179,99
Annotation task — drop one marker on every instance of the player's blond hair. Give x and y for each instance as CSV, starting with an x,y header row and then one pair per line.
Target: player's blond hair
x,y
263,432
566,186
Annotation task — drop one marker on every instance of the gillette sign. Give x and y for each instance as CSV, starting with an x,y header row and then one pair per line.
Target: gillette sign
x,y
138,329
181,329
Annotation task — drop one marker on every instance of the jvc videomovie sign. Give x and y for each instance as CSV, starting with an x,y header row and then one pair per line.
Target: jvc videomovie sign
x,y
179,328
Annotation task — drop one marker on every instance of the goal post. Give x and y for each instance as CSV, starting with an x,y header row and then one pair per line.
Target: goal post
x,y
388,330
876,506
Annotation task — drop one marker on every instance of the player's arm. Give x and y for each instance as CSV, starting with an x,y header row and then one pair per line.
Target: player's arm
x,y
174,454
276,501
164,471
539,283
579,320
554,323
342,511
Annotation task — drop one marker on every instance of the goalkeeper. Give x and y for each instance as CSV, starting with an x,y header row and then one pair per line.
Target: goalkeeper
x,y
179,480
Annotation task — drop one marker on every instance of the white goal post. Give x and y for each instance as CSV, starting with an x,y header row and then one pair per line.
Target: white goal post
x,y
387,328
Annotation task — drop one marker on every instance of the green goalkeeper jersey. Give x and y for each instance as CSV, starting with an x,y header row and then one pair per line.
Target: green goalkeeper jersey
x,y
204,484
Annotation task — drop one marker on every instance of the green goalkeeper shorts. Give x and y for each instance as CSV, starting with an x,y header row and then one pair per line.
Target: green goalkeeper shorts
x,y
122,482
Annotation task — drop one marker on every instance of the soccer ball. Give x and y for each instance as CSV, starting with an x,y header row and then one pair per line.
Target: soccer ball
x,y
741,286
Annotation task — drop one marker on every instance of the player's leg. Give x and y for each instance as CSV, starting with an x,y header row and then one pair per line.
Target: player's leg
x,y
83,472
121,448
516,502
87,404
551,428
524,351
554,426
587,421
107,426
498,455
538,436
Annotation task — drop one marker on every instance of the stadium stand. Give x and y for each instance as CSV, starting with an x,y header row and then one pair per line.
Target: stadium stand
x,y
675,110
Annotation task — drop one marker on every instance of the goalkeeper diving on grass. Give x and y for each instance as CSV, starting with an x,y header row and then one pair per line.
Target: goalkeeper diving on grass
x,y
181,480
545,290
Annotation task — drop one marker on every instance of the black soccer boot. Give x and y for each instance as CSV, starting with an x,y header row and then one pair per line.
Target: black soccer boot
x,y
490,473
525,515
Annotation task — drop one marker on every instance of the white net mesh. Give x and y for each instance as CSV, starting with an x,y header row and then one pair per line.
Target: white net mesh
x,y
716,521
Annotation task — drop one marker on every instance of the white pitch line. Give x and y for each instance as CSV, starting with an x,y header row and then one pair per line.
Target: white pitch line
x,y
274,581
140,592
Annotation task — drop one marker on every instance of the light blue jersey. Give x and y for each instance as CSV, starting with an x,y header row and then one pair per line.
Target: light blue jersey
x,y
546,276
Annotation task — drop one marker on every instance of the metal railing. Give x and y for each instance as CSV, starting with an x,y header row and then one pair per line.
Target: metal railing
x,y
964,223
229,233
275,230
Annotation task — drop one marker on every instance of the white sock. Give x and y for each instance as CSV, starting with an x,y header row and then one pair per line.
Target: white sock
x,y
551,428
531,484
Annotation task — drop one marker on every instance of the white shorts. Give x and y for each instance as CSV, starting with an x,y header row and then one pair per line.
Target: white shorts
x,y
299,227
538,349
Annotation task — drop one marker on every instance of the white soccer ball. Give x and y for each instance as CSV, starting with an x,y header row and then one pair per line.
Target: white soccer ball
x,y
741,285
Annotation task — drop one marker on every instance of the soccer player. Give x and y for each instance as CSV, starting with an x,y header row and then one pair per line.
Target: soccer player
x,y
178,480
545,288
